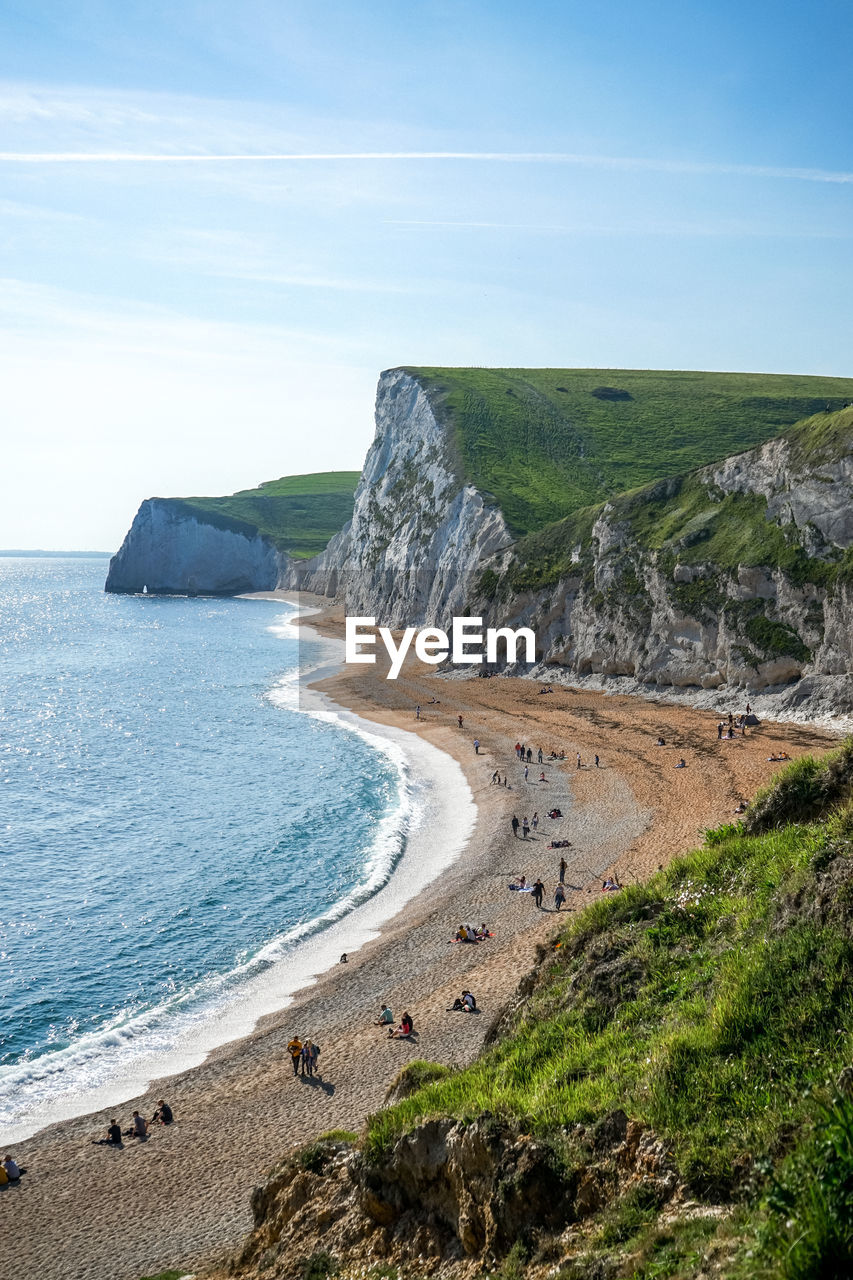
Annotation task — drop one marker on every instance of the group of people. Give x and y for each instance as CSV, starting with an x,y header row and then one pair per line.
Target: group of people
x,y
537,889
386,1019
471,933
139,1127
303,1056
464,1003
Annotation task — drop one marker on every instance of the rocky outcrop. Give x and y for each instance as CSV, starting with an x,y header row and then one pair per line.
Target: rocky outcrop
x,y
171,549
450,1194
659,619
419,534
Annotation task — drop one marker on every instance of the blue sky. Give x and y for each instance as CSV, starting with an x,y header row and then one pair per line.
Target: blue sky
x,y
651,185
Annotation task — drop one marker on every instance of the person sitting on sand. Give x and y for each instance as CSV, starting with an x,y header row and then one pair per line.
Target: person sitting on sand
x,y
682,764
742,807
13,1170
113,1138
464,1003
138,1127
555,813
385,1018
610,885
660,742
405,1028
295,1051
483,932
163,1114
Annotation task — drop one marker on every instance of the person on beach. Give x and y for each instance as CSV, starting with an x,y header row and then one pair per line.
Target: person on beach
x,y
596,762
682,764
496,778
559,897
418,712
542,777
579,760
459,718
526,773
539,755
163,1114
12,1170
515,825
295,1051
529,754
307,1058
405,1028
385,1018
534,821
113,1138
525,828
138,1127
476,746
563,865
538,893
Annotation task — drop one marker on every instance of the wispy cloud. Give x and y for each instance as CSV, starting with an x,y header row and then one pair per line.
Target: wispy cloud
x,y
721,229
623,163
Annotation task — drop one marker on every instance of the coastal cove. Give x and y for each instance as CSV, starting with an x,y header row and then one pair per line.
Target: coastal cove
x,y
188,1188
374,862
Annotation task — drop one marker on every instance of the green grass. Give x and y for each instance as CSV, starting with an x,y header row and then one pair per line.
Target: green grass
x,y
726,1007
543,444
299,513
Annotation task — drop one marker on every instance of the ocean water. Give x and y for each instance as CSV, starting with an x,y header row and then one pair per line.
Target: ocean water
x,y
174,820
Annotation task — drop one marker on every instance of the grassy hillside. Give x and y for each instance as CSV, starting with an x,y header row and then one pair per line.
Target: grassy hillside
x,y
546,442
714,1005
678,518
299,513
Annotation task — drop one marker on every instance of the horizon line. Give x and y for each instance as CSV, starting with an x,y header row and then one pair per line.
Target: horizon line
x,y
789,173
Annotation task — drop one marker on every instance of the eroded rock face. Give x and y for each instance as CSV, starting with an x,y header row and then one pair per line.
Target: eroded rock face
x,y
418,535
169,552
449,1194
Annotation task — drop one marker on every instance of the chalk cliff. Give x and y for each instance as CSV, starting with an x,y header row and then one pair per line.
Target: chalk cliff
x,y
419,534
737,578
172,550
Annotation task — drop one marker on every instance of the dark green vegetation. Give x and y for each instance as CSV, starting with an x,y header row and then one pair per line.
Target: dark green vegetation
x,y
715,1005
299,513
547,442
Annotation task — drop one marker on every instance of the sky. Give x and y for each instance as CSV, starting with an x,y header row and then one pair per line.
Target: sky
x,y
220,222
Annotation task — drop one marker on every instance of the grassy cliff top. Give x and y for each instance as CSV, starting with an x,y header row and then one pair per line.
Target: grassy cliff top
x,y
714,1004
546,442
299,513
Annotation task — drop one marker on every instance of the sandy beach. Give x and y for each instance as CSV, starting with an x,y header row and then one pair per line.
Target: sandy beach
x,y
85,1212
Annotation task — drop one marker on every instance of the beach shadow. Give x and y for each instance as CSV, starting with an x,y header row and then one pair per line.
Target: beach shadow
x,y
317,1083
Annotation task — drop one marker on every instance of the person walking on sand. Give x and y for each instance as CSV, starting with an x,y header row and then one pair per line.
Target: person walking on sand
x,y
539,755
596,762
579,759
496,779
534,821
562,870
515,825
418,712
476,746
525,827
526,773
559,896
538,892
295,1051
308,1058
459,718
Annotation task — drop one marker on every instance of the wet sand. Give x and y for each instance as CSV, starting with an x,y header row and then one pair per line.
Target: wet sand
x,y
86,1212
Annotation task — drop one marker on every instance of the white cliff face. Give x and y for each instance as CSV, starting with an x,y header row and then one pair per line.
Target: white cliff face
x,y
631,617
419,536
169,551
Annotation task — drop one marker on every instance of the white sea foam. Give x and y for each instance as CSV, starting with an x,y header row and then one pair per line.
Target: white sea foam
x,y
417,839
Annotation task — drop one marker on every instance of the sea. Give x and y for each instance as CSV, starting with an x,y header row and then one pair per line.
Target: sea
x,y
177,819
